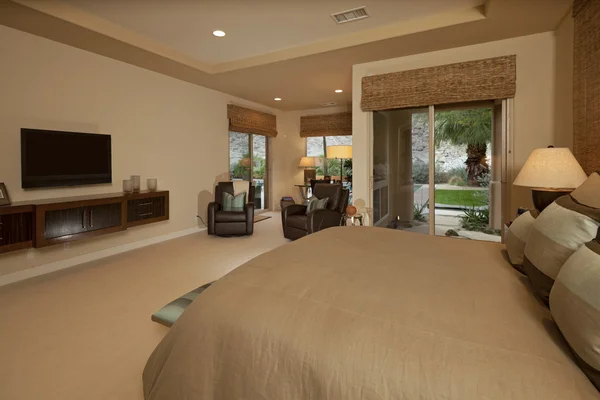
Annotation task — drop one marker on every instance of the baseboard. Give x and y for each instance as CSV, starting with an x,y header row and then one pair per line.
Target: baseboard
x,y
71,262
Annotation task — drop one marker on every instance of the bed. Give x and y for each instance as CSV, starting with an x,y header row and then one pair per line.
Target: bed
x,y
368,313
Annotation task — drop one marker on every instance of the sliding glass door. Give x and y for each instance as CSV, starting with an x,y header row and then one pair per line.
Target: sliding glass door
x,y
441,170
401,169
248,160
259,171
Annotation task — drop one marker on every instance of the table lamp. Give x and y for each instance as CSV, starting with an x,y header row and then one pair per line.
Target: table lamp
x,y
342,153
550,173
309,164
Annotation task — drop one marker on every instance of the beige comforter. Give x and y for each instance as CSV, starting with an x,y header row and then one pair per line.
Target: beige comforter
x,y
367,313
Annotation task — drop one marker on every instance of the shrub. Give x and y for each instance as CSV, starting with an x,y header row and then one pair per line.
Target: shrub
x,y
420,173
484,180
456,180
476,219
459,172
440,175
419,212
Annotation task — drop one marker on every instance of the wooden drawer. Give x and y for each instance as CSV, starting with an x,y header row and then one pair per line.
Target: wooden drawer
x,y
147,209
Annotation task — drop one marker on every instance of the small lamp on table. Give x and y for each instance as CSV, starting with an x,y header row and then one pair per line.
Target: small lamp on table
x,y
550,173
309,164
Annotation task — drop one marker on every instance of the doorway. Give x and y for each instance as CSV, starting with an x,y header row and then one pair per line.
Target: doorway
x,y
248,160
439,170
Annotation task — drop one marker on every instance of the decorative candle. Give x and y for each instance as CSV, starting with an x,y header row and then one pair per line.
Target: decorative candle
x,y
135,180
127,186
152,184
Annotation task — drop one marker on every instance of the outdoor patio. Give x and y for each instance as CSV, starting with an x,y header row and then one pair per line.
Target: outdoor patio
x,y
447,216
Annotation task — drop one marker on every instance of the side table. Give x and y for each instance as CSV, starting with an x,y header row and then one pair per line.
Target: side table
x,y
356,220
304,191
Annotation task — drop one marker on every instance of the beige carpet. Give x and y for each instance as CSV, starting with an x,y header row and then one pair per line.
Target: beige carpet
x,y
86,333
261,217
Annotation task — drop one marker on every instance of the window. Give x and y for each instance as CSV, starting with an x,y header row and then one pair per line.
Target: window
x,y
315,147
248,155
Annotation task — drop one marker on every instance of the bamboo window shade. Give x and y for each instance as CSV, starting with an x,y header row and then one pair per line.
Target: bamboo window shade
x,y
326,125
488,79
586,84
246,120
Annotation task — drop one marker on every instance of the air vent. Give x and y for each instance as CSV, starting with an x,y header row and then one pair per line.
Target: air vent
x,y
350,15
330,104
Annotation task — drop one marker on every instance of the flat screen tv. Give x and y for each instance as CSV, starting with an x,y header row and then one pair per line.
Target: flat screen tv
x,y
56,158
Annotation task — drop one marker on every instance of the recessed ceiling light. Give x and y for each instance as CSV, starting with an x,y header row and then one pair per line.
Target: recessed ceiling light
x,y
219,33
338,90
277,99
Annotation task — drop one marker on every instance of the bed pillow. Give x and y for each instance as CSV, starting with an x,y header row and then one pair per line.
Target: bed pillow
x,y
575,307
516,238
560,230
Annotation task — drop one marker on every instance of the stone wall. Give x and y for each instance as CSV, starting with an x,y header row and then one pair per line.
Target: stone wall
x,y
447,156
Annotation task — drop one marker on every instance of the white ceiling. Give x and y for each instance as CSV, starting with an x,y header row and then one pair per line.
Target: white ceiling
x,y
254,27
274,48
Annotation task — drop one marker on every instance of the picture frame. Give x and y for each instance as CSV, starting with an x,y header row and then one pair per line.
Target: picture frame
x,y
4,197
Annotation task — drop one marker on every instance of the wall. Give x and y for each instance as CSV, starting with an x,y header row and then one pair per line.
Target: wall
x,y
563,117
288,149
160,127
533,125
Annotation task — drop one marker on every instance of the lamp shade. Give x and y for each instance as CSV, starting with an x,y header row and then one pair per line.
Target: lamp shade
x,y
307,162
339,151
551,168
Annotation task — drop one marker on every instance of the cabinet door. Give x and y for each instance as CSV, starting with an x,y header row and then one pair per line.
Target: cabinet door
x,y
2,234
16,228
104,216
70,221
16,231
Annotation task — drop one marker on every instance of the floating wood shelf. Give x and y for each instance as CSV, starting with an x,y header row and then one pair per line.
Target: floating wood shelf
x,y
46,222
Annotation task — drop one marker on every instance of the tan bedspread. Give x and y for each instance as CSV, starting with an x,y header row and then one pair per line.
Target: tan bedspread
x,y
367,313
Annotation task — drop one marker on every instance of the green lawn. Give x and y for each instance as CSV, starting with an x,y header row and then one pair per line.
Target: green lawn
x,y
466,198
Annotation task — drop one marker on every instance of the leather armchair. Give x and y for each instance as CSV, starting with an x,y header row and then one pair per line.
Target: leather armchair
x,y
230,223
297,224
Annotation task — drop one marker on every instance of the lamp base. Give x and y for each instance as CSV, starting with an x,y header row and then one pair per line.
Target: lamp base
x,y
309,174
542,198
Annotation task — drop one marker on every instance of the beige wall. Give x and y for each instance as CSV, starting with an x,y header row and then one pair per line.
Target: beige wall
x,y
161,127
289,148
563,115
534,123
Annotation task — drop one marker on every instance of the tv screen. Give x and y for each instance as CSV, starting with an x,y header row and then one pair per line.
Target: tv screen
x,y
56,158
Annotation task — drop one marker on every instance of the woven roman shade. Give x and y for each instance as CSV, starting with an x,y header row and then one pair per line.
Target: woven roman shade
x,y
586,84
578,6
326,125
246,120
489,79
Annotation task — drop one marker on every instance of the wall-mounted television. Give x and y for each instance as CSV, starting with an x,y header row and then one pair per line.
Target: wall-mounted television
x,y
57,158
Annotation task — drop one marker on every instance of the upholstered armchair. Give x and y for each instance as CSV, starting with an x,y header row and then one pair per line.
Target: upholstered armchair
x,y
229,223
296,223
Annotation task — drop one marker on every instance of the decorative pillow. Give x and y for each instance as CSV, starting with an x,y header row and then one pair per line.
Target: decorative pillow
x,y
560,230
316,204
234,203
516,238
575,307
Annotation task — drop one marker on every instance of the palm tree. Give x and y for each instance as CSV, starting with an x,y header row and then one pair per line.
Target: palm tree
x,y
472,128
